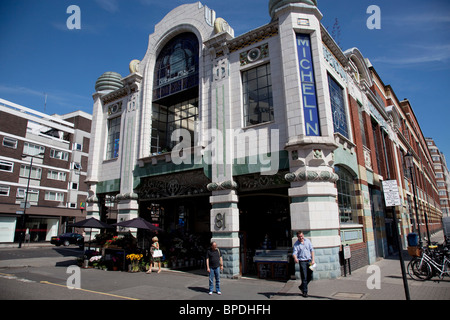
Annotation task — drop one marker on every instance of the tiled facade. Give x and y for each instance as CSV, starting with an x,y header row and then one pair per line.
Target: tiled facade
x,y
286,123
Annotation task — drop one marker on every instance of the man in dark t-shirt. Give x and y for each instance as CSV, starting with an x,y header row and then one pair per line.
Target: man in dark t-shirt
x,y
214,264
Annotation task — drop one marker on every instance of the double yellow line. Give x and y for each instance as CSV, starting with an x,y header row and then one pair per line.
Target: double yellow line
x,y
90,291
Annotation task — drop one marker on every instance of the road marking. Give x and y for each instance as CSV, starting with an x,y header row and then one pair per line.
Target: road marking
x,y
91,291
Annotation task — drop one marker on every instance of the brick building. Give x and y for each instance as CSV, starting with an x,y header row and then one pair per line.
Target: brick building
x,y
50,154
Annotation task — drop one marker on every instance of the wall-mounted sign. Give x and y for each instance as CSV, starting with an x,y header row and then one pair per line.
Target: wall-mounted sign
x,y
308,85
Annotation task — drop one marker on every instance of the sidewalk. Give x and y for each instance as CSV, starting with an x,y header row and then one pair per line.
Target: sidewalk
x,y
354,286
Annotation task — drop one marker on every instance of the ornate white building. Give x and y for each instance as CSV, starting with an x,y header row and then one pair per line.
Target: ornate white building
x,y
269,121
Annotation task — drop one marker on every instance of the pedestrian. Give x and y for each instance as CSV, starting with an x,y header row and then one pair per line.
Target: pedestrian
x,y
153,260
214,264
303,254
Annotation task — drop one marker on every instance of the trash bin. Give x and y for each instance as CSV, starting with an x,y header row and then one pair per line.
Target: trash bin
x,y
413,239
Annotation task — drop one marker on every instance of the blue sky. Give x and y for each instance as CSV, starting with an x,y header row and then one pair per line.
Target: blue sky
x,y
39,54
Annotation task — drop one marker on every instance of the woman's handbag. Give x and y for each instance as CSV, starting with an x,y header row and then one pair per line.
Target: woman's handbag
x,y
157,253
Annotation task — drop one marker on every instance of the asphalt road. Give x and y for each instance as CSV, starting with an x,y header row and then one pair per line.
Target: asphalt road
x,y
43,273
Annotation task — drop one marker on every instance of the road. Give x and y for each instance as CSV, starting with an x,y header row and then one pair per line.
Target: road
x,y
42,273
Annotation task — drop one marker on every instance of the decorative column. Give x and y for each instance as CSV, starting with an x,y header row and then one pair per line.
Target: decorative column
x,y
224,218
313,194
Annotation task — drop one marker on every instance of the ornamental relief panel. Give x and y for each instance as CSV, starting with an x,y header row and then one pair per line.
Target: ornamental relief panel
x,y
174,185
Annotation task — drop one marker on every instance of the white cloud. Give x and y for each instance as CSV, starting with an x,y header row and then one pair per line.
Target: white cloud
x,y
111,6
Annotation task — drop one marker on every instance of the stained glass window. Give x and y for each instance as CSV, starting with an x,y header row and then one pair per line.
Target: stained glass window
x,y
338,107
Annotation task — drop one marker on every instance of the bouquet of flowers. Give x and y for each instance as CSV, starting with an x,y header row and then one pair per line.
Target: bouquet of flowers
x,y
134,258
95,260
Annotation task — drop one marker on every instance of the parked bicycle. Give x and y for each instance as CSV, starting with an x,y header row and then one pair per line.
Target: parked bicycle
x,y
433,261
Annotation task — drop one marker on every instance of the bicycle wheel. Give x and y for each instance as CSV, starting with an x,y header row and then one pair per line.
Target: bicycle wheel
x,y
419,270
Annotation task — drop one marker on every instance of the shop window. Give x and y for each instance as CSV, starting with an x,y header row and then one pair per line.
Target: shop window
x,y
257,95
112,148
338,107
346,195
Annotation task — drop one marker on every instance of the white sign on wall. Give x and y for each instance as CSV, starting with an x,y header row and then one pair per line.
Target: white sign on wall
x,y
391,194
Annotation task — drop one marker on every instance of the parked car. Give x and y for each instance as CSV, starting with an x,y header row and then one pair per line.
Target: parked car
x,y
67,239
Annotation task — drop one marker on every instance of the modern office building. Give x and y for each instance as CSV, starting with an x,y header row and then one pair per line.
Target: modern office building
x,y
48,156
247,139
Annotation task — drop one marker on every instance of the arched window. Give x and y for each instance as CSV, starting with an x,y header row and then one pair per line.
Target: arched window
x,y
175,91
346,195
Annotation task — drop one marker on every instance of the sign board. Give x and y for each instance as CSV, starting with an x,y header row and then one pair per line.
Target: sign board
x,y
308,85
347,252
391,194
24,204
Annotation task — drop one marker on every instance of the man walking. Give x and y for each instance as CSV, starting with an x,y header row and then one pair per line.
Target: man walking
x,y
214,264
303,253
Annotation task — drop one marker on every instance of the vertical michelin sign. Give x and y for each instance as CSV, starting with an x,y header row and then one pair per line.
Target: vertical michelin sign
x,y
308,85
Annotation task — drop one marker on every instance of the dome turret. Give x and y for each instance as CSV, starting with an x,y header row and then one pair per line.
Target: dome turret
x,y
109,81
275,4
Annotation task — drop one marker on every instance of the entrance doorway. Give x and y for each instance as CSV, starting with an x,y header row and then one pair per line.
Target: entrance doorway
x,y
265,224
185,222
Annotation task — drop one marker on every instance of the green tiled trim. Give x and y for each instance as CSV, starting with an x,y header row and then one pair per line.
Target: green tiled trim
x,y
224,205
108,186
320,233
313,199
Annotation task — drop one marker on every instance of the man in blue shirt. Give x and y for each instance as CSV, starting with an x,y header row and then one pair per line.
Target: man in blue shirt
x,y
303,253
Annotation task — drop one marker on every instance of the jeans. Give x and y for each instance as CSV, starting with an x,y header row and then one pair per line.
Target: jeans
x,y
305,275
214,272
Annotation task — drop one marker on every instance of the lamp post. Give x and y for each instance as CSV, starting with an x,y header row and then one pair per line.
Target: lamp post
x,y
22,222
409,158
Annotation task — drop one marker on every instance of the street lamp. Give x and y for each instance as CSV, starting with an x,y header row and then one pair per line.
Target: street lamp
x,y
409,159
22,223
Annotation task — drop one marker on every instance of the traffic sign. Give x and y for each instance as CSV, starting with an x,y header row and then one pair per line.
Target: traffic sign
x,y
391,194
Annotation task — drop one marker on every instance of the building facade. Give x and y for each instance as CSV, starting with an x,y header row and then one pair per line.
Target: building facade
x,y
442,176
247,139
48,156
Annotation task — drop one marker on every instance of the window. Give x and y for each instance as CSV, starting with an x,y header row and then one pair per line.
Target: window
x,y
36,173
32,149
4,190
57,154
10,142
165,120
112,148
56,175
54,196
73,185
76,166
257,95
346,195
338,107
33,194
177,66
77,147
6,166
361,124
